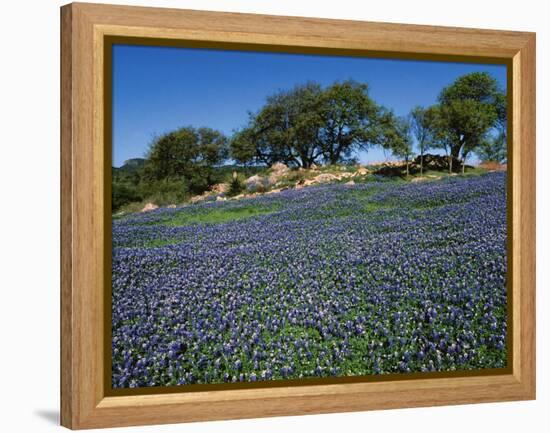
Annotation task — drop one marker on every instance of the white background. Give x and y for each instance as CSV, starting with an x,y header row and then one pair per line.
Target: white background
x,y
29,215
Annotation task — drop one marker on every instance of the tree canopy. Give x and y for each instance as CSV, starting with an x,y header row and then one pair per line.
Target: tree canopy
x,y
468,109
402,144
310,124
349,121
189,153
282,131
421,128
493,148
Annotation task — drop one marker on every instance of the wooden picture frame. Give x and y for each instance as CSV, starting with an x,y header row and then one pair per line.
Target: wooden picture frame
x,y
85,402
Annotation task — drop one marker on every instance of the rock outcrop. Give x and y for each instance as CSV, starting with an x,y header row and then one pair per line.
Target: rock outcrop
x,y
149,207
255,183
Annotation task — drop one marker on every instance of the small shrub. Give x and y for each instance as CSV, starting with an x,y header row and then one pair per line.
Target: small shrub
x,y
129,208
236,186
295,176
123,194
165,191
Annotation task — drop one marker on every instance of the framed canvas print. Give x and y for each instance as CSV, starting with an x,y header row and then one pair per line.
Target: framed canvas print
x,y
269,216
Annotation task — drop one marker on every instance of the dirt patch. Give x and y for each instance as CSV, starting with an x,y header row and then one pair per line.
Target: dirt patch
x,y
493,166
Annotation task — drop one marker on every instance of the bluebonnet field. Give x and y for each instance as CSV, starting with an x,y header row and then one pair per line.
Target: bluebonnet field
x,y
332,280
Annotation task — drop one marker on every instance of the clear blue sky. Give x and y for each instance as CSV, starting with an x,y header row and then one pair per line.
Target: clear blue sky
x,y
158,89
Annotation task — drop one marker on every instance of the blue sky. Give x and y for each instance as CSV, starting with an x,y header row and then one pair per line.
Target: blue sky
x,y
158,89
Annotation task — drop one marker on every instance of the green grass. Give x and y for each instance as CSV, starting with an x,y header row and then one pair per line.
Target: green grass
x,y
474,171
217,216
161,242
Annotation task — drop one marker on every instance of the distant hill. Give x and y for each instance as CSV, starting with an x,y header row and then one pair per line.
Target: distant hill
x,y
129,173
131,165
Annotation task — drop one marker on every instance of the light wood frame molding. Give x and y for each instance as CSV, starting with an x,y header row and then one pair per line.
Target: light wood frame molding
x,y
84,403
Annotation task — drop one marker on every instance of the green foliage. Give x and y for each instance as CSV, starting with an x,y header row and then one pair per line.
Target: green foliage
x,y
310,124
477,86
188,153
246,149
403,145
236,186
420,122
125,181
132,188
165,191
283,130
501,105
349,120
296,176
123,194
130,185
467,111
421,129
493,149
178,164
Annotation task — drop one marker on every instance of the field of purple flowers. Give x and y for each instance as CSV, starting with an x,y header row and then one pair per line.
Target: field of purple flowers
x,y
332,280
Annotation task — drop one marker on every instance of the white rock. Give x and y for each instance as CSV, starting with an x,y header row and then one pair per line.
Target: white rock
x,y
278,171
254,182
325,177
220,188
149,207
279,166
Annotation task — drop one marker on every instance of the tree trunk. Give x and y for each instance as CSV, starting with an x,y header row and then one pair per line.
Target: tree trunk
x,y
407,165
421,163
331,156
450,164
455,150
335,156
